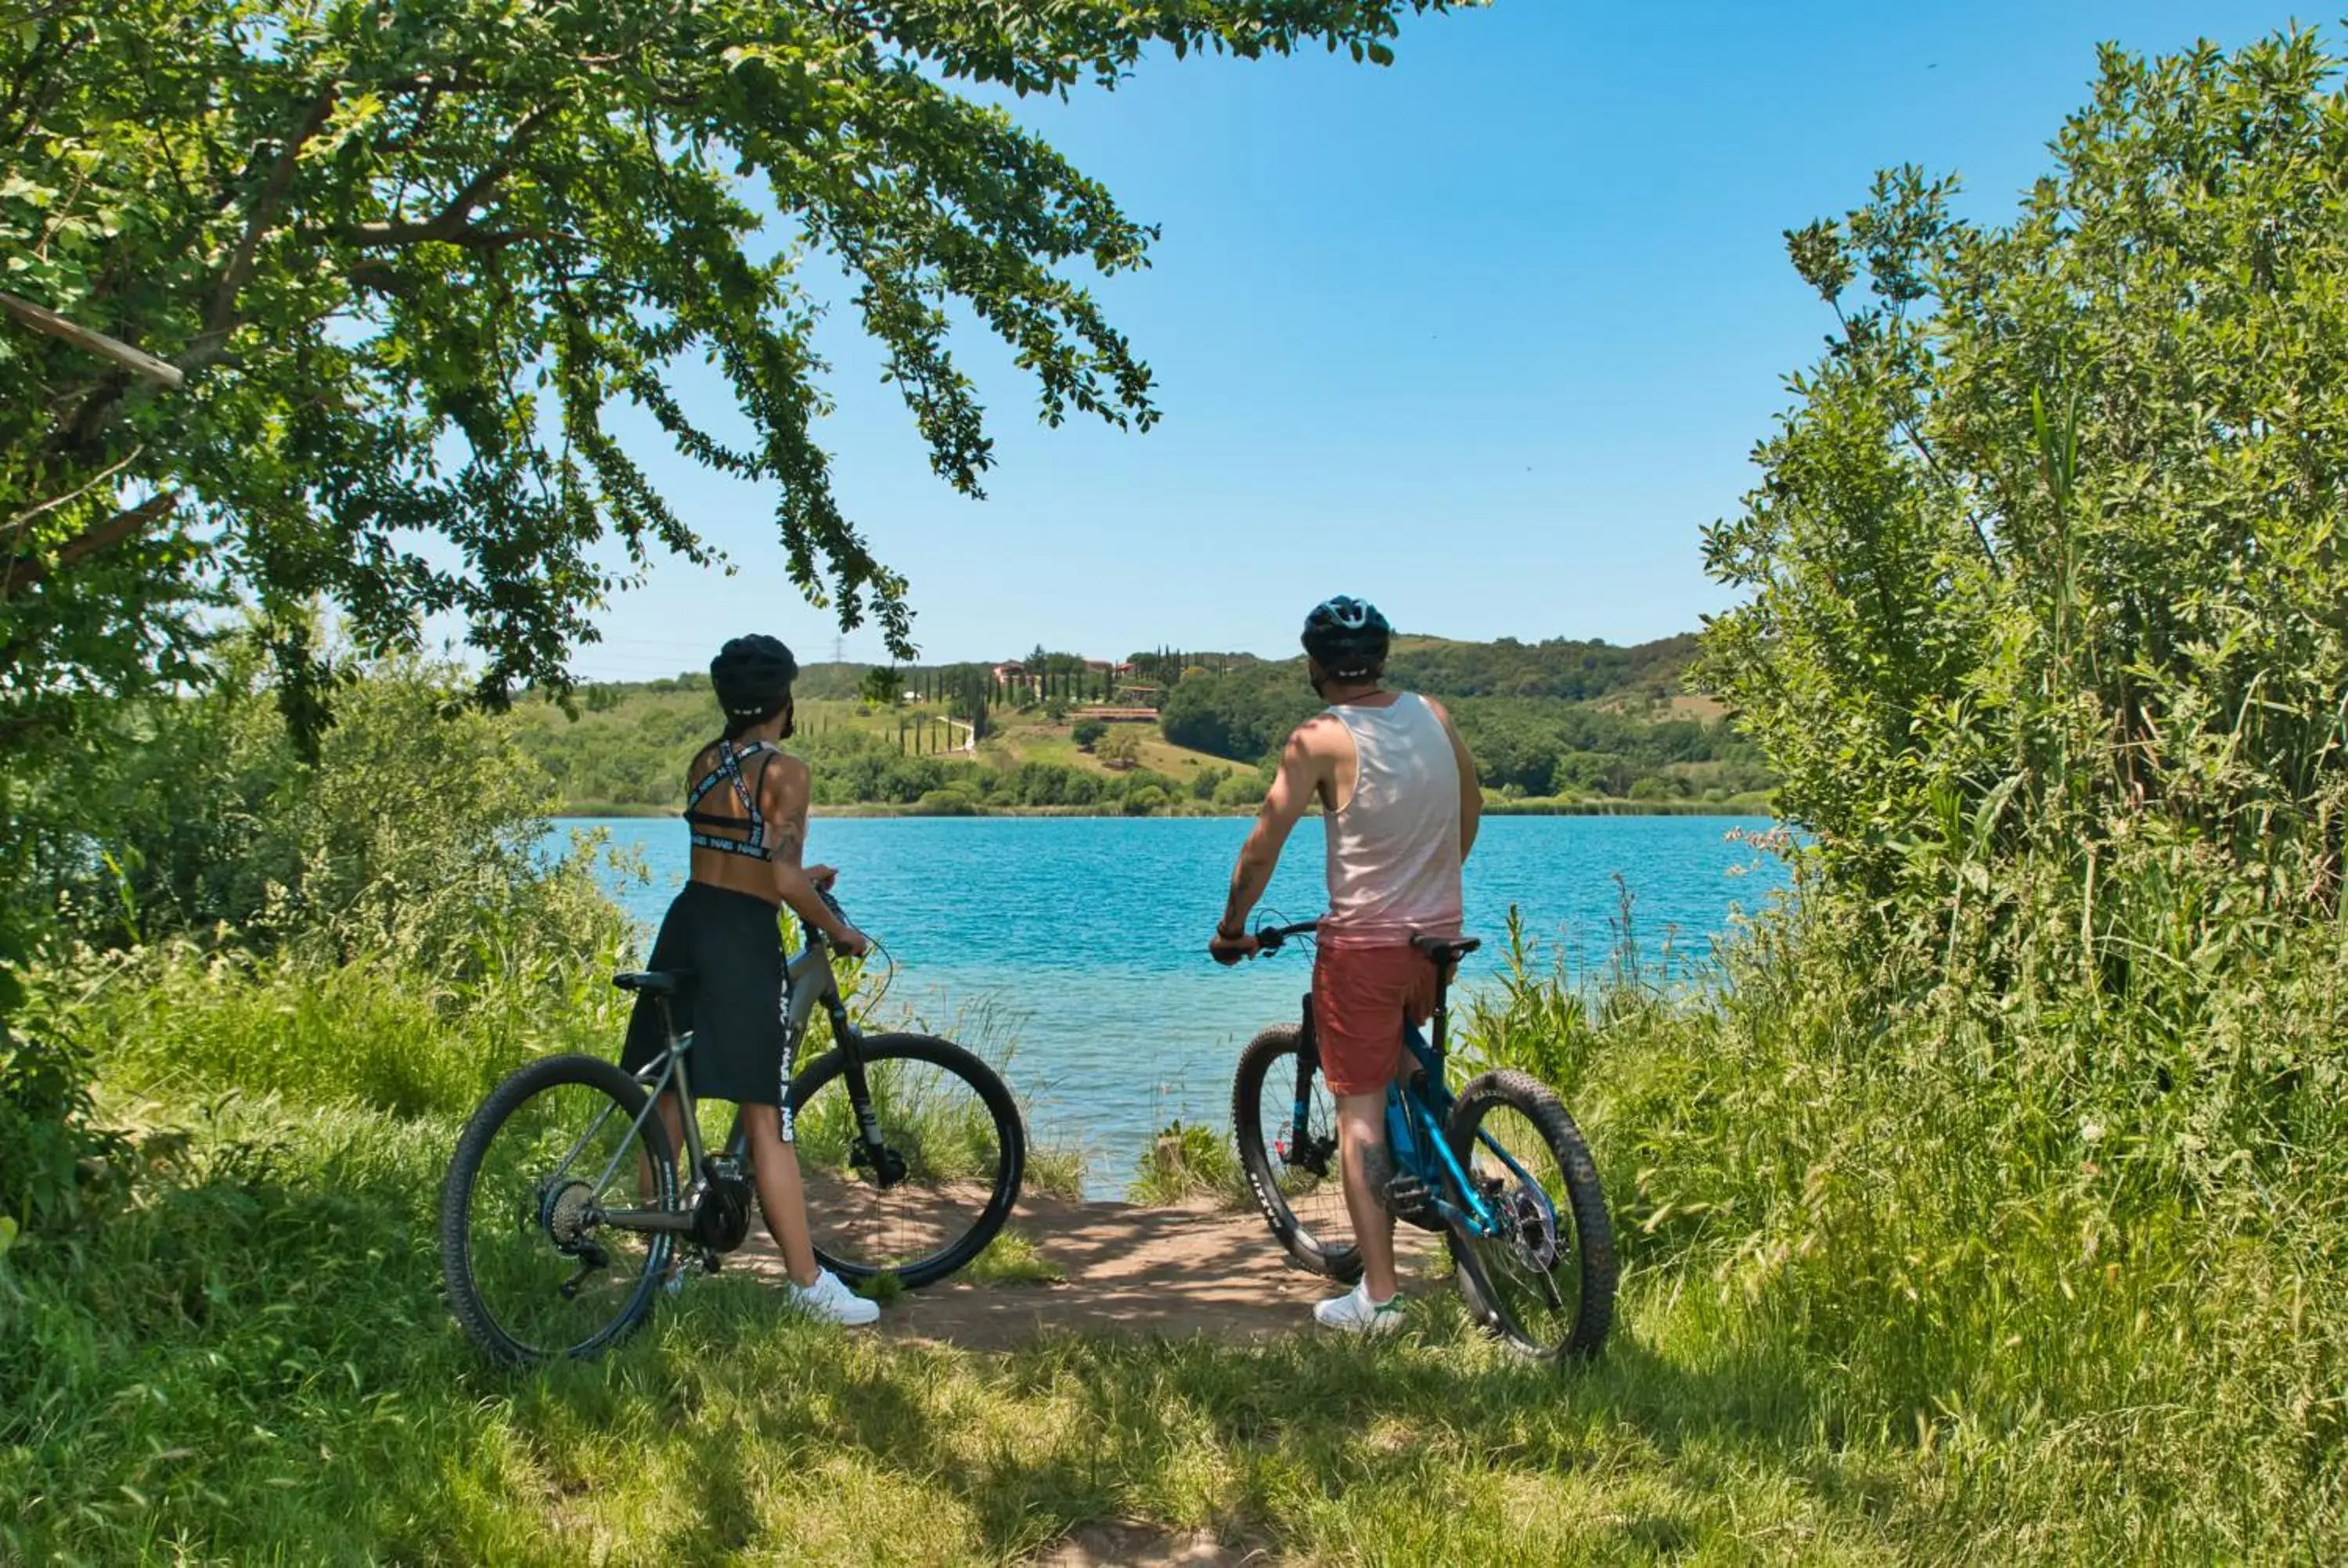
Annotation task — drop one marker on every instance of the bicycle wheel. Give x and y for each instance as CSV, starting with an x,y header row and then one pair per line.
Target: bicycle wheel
x,y
1546,1282
953,1149
532,1269
1296,1181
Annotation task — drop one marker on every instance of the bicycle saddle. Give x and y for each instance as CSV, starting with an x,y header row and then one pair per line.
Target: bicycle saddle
x,y
654,982
1445,950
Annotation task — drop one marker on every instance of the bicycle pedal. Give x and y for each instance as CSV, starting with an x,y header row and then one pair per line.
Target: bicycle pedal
x,y
1405,1196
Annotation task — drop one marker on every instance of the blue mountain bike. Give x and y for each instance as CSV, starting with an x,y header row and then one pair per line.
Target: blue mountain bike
x,y
1500,1170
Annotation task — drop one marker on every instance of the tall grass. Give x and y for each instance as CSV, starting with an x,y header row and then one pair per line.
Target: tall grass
x,y
2079,1252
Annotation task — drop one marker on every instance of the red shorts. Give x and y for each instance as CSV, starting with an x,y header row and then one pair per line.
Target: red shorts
x,y
1361,997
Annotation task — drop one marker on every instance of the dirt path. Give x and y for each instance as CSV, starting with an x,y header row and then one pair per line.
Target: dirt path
x,y
1175,1272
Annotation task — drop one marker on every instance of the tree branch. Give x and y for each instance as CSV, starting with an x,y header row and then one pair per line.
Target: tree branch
x,y
16,523
239,270
42,319
451,223
28,571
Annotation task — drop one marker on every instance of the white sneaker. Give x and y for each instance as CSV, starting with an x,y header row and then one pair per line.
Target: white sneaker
x,y
828,1300
1356,1313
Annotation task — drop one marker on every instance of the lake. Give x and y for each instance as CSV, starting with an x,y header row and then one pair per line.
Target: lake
x,y
1080,942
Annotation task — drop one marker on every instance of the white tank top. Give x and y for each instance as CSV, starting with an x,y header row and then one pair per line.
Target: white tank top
x,y
1394,849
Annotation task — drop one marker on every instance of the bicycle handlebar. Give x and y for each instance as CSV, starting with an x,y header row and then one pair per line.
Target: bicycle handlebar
x,y
832,904
1272,939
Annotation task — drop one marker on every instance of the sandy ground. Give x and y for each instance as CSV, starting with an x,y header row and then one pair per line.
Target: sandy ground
x,y
1174,1272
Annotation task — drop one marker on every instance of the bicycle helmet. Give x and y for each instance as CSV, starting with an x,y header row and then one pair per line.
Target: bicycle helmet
x,y
752,676
1347,637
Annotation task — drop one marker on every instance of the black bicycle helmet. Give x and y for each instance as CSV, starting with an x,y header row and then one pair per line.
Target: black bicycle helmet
x,y
1347,637
752,675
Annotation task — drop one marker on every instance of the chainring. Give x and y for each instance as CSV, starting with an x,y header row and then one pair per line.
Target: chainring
x,y
722,1219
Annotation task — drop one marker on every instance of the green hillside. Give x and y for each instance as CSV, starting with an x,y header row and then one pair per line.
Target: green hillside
x,y
1554,724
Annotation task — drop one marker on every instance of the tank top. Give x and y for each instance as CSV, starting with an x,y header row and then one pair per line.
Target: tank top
x,y
1394,848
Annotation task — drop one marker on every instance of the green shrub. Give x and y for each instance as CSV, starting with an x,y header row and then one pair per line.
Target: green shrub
x,y
952,801
1087,733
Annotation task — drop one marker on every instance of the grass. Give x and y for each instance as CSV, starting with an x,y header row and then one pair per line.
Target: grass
x,y
1863,1320
276,1381
1013,1258
1187,1161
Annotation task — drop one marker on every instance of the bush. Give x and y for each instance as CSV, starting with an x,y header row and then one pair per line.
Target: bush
x,y
1240,791
1088,733
955,801
49,1134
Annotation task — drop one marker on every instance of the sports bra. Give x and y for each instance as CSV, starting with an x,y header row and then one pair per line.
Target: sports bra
x,y
729,768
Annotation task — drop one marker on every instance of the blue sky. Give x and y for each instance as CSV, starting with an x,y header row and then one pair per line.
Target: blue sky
x,y
1486,336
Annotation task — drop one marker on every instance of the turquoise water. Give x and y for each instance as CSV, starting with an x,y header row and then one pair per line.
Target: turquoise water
x,y
1082,940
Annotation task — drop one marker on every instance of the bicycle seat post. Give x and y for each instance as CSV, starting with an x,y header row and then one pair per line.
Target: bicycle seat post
x,y
1442,1008
1444,953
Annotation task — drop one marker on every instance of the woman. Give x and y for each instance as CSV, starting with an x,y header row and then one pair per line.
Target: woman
x,y
747,803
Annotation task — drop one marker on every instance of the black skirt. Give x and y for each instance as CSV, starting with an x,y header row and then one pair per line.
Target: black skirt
x,y
733,943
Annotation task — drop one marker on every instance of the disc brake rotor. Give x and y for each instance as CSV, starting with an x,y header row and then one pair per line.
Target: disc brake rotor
x,y
1311,1154
1534,1223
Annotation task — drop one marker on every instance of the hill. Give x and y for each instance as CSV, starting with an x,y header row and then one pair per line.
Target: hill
x,y
1557,722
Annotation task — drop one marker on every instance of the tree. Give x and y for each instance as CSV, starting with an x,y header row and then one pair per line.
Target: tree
x,y
969,702
403,261
1121,748
880,686
2044,562
1088,733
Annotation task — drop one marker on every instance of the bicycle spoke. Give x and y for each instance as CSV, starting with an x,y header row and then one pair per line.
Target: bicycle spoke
x,y
550,1273
1305,1162
941,1161
1530,1276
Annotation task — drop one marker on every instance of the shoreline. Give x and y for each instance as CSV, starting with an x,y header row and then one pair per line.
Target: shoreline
x,y
1733,808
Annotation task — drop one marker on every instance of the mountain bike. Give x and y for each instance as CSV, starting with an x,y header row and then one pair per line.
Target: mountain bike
x,y
565,1211
1499,1170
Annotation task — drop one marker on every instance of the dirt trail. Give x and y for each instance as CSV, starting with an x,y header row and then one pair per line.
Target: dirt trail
x,y
1174,1271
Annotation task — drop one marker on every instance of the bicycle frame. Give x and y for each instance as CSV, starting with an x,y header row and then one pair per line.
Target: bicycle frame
x,y
1423,1100
810,983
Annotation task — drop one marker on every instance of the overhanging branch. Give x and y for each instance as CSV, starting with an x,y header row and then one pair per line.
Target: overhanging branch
x,y
46,321
28,571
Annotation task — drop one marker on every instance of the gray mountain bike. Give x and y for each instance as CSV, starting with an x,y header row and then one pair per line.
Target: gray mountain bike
x,y
565,1211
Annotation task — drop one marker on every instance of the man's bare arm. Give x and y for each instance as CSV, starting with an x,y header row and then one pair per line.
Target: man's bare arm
x,y
786,785
1304,769
1471,788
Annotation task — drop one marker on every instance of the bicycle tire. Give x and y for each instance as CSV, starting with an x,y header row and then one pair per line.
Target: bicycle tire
x,y
958,1242
465,1301
1308,1247
1595,1267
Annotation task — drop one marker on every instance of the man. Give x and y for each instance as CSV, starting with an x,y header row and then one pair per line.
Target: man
x,y
1399,798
